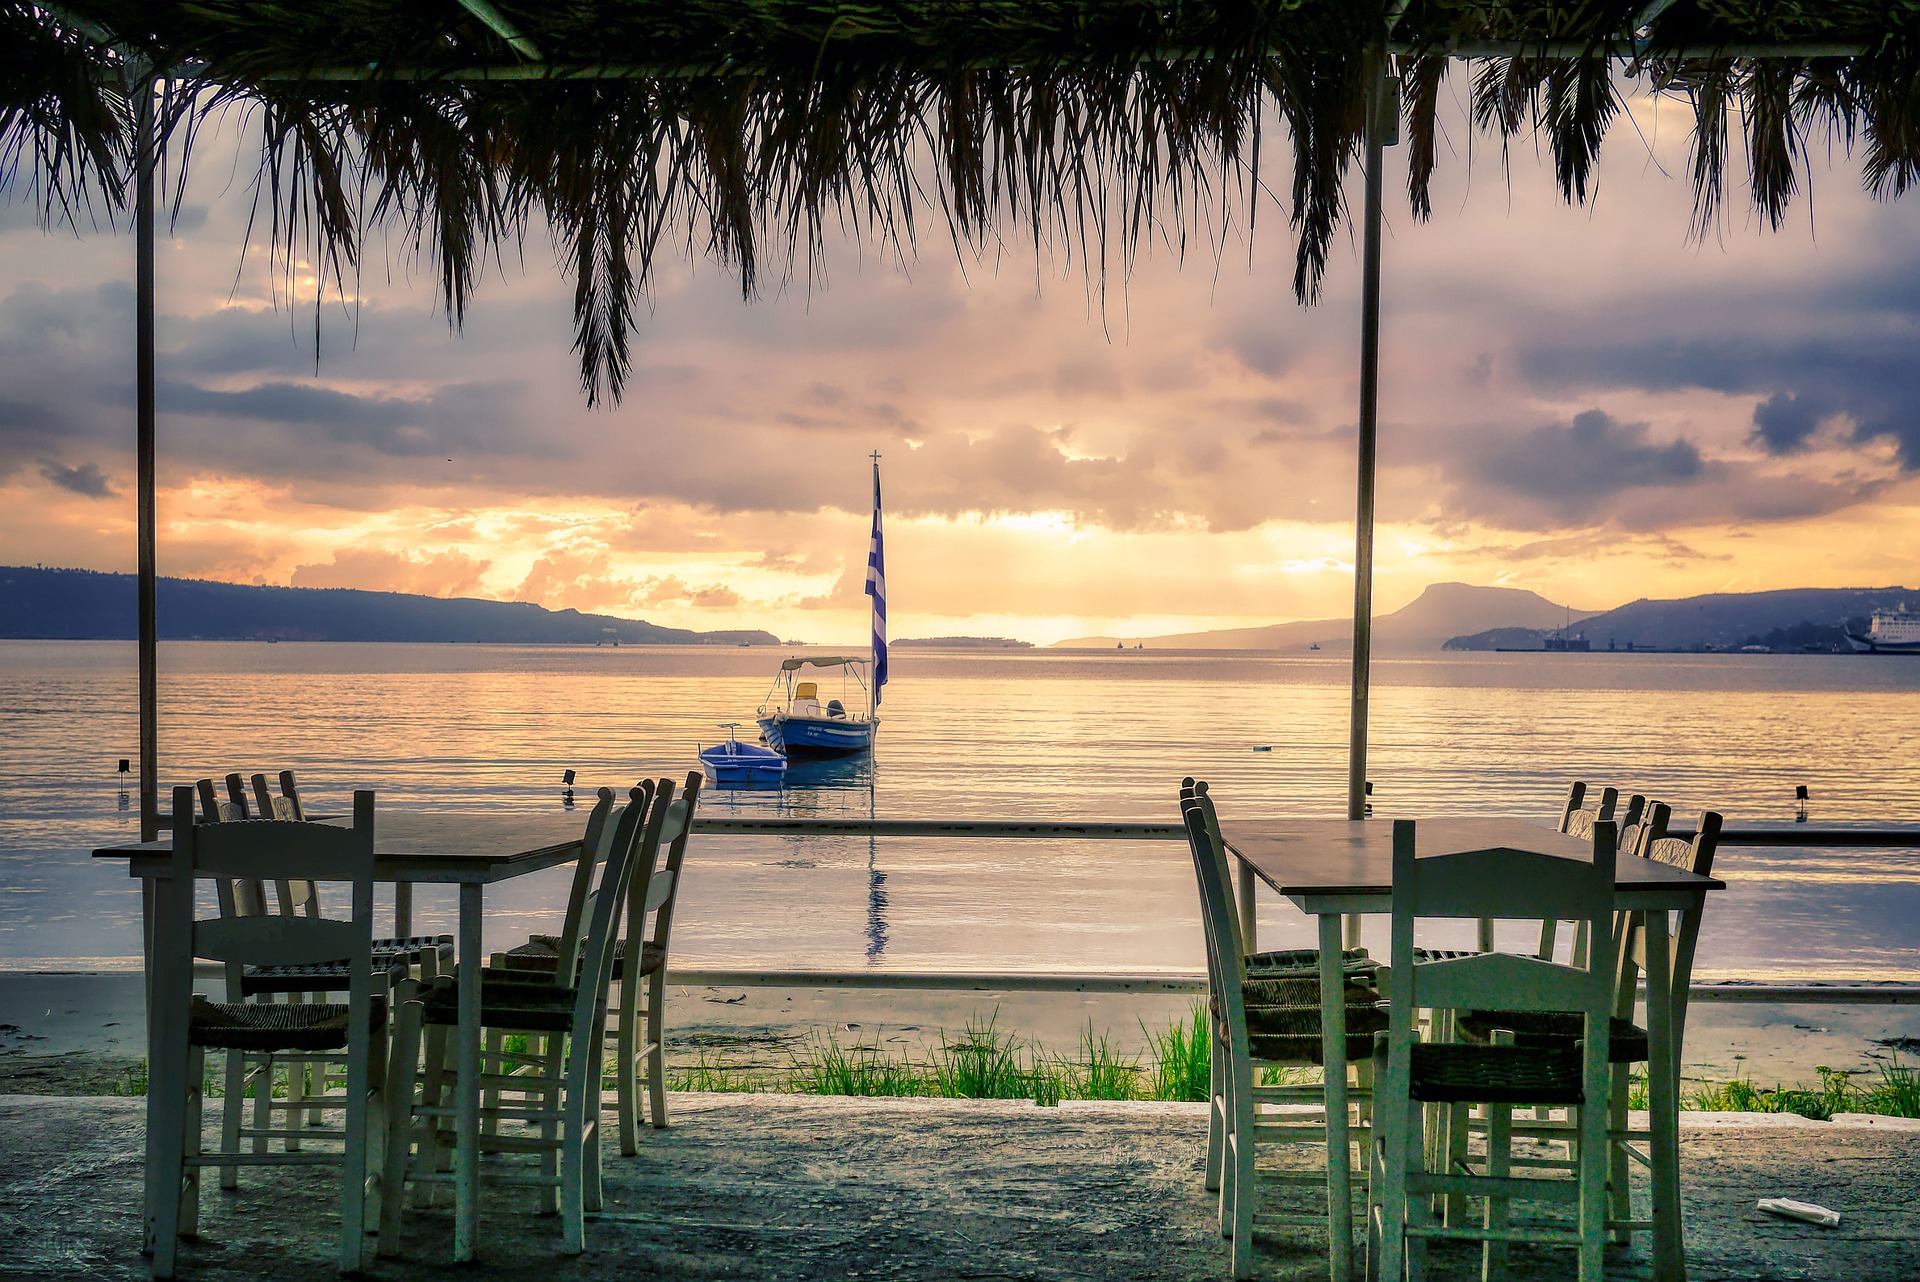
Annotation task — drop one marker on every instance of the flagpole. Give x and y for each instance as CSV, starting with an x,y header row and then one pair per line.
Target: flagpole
x,y
877,589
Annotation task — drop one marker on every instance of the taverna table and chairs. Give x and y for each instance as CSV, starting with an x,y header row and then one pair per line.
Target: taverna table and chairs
x,y
1338,871
470,851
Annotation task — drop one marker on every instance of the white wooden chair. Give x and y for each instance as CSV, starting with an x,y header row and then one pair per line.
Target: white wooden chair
x,y
186,1027
552,1091
637,1028
540,956
1498,884
1645,836
1262,1020
309,1077
639,1031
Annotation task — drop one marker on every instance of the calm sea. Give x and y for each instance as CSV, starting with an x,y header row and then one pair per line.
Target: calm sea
x,y
972,735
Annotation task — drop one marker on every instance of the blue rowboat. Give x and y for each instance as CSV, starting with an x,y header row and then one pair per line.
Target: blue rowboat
x,y
734,762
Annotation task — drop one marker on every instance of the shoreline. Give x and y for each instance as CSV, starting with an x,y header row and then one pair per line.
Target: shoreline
x,y
83,1033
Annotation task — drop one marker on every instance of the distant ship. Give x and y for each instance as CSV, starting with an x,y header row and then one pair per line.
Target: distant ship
x,y
1893,632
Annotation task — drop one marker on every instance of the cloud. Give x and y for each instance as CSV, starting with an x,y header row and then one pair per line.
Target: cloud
x,y
86,480
1870,375
444,574
1585,463
36,318
1784,421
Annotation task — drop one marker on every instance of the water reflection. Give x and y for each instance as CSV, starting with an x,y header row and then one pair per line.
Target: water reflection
x,y
876,903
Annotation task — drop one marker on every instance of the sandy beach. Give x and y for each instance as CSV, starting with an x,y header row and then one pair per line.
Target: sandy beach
x,y
67,1034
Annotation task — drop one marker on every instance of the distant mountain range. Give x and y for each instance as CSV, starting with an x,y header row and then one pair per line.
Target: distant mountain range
x,y
1791,619
1444,610
48,604
1457,616
963,643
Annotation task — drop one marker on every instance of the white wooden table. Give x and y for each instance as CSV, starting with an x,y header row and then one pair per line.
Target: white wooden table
x,y
472,851
1336,868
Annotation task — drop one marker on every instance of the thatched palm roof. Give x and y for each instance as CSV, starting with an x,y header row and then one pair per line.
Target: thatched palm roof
x,y
744,129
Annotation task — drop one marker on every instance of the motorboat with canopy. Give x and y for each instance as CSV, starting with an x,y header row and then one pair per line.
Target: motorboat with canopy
x,y
795,719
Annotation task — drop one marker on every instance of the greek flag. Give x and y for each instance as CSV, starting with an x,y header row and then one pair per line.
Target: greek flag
x,y
877,589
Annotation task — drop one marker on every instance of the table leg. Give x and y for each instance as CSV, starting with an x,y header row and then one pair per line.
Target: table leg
x,y
1249,919
1663,1082
155,1118
403,909
1333,1045
466,1153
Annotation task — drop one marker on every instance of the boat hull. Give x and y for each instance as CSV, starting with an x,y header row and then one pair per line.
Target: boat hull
x,y
743,763
817,736
1867,645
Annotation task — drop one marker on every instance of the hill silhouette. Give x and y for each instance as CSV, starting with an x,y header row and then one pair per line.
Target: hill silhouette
x,y
1444,610
50,604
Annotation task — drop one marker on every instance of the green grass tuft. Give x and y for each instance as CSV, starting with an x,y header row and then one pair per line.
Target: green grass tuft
x,y
1183,1058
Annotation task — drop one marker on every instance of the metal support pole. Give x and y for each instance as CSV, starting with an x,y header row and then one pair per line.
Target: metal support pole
x,y
144,466
1382,119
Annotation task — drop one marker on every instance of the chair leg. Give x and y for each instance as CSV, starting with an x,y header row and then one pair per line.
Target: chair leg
x,y
1619,1175
553,1126
657,1045
626,1086
496,1046
1216,1082
233,1113
379,1082
1493,1256
402,1072
296,1092
1457,1130
436,1154
1244,1191
190,1143
168,1151
583,1063
262,1102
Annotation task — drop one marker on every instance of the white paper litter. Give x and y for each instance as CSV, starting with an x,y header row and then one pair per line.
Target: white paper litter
x,y
1792,1210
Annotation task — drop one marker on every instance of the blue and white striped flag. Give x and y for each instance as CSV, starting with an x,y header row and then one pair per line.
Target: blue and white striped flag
x,y
877,589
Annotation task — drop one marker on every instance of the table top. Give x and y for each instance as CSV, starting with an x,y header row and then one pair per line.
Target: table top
x,y
432,846
1305,858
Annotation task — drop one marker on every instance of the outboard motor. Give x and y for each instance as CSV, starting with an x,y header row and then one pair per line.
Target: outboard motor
x,y
836,709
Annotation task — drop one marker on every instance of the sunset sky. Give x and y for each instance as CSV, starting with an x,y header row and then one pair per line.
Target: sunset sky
x,y
1577,401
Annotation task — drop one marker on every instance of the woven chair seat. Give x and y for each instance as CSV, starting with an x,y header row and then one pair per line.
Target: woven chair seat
x,y
536,1006
1626,1041
1457,1072
541,953
1284,962
274,1026
1443,954
1293,1034
319,977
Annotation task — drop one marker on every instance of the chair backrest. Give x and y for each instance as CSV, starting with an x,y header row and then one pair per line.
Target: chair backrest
x,y
1692,854
1502,884
601,911
295,895
1220,923
254,850
1579,822
595,845
661,888
284,805
238,896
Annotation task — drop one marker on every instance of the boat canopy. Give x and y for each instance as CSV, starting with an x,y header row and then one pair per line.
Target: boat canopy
x,y
823,661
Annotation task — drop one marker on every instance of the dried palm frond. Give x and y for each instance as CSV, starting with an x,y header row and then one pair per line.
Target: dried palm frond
x,y
65,131
750,131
